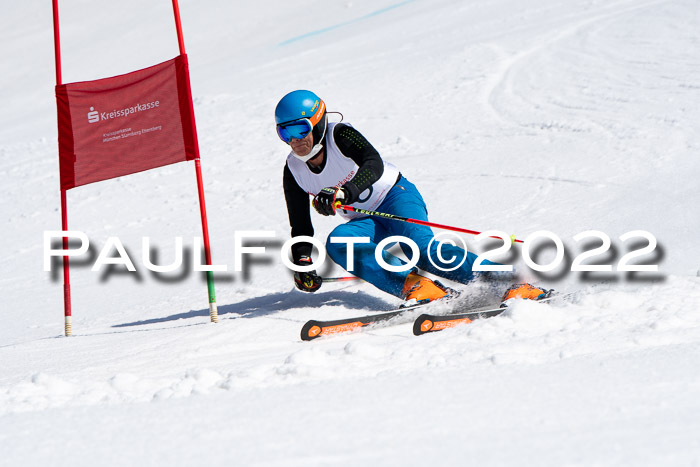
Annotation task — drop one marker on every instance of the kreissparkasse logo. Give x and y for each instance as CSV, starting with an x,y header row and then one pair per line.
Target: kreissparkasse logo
x,y
93,115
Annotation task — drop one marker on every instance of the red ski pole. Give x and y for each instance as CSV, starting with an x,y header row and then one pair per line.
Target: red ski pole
x,y
413,221
341,279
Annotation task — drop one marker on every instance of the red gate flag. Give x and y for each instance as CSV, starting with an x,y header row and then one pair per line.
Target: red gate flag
x,y
125,124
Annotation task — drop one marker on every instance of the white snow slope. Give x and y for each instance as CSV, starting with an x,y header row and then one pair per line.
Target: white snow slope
x,y
558,115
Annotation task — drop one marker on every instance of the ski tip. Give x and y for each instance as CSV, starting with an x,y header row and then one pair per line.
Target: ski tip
x,y
431,323
311,330
422,324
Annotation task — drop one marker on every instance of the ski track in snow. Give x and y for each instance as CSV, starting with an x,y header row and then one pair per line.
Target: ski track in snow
x,y
555,115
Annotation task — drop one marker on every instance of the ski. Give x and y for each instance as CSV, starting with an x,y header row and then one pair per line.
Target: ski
x,y
313,328
426,322
430,323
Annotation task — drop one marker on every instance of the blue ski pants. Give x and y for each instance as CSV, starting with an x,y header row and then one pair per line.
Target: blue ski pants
x,y
403,200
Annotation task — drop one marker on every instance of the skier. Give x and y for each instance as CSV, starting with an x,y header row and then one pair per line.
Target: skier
x,y
334,162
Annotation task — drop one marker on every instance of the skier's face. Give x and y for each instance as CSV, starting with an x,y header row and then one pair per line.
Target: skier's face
x,y
302,146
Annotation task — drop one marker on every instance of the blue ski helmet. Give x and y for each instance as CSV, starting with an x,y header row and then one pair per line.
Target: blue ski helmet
x,y
301,104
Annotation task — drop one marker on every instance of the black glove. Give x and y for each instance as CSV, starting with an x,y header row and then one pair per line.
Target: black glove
x,y
325,200
306,281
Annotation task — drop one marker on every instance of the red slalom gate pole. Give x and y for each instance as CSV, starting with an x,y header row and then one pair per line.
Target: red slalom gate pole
x,y
178,26
64,203
213,310
414,221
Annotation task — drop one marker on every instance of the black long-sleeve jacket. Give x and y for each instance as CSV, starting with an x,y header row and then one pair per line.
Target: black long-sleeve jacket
x,y
371,167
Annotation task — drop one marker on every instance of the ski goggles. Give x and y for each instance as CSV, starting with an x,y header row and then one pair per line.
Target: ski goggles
x,y
296,129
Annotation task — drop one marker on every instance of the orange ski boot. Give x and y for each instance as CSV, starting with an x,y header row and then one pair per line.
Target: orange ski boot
x,y
524,291
419,289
